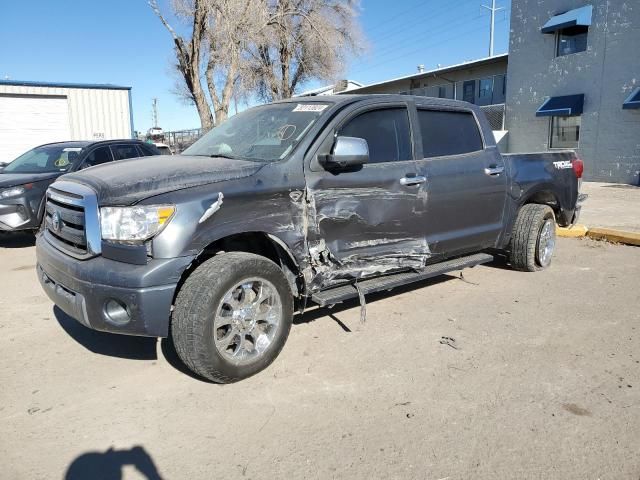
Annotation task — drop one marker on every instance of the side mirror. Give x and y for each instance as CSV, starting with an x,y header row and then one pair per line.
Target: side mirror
x,y
2,165
348,153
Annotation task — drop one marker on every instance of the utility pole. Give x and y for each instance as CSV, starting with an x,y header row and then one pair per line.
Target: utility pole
x,y
493,11
154,113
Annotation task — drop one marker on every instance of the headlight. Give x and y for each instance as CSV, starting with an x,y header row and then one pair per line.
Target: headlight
x,y
134,224
12,192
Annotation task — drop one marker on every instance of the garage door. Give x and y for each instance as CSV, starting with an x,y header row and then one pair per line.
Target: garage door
x,y
27,121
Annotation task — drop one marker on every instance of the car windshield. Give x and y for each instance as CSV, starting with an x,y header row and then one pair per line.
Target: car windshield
x,y
265,134
45,159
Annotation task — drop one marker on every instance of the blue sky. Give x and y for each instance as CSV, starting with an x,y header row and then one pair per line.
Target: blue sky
x,y
122,42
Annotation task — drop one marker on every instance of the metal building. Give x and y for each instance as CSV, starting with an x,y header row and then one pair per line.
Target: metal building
x,y
482,81
33,113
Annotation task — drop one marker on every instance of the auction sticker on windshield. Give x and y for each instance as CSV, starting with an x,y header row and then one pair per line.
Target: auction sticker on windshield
x,y
309,107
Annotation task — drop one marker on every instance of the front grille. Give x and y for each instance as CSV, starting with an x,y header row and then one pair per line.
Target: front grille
x,y
71,218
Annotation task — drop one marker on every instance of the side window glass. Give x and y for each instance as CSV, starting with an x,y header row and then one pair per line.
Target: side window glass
x,y
448,133
98,156
147,150
386,131
120,152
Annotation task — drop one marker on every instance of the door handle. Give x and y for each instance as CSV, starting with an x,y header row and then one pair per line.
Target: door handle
x,y
493,170
410,181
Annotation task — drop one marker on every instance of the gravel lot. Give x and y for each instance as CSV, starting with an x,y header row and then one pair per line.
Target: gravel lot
x,y
543,381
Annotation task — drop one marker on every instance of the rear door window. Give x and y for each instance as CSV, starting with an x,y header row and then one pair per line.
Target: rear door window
x,y
148,150
448,133
98,156
386,131
120,152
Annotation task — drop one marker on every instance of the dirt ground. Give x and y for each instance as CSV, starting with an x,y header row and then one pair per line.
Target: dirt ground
x,y
542,381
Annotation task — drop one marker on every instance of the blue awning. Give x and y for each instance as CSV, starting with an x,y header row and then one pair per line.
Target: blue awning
x,y
578,17
634,100
565,106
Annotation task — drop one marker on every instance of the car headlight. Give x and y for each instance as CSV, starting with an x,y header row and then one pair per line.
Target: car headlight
x,y
134,224
12,192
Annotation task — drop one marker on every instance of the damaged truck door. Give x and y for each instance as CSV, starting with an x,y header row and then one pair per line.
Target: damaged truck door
x,y
467,187
364,215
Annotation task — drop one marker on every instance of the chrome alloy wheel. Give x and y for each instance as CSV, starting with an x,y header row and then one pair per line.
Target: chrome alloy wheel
x,y
546,242
246,321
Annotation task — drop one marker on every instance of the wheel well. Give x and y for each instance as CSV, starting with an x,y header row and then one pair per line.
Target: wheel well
x,y
258,243
545,197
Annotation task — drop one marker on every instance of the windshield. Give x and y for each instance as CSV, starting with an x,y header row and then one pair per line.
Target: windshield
x,y
45,159
264,134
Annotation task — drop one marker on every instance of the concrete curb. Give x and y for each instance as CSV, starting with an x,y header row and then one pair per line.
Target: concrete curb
x,y
616,236
608,234
575,231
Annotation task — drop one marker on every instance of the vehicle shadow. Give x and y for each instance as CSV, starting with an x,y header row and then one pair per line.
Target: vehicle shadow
x,y
108,465
500,262
109,344
17,240
170,354
144,348
314,314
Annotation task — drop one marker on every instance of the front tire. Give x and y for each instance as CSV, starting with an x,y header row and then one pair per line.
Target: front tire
x,y
533,238
232,316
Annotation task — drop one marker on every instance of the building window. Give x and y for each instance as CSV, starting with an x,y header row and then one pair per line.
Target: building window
x,y
565,132
469,91
572,40
442,91
486,88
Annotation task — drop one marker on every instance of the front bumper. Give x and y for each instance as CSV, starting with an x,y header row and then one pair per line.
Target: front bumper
x,y
91,290
18,213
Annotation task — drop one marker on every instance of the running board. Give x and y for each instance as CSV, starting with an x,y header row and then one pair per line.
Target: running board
x,y
345,292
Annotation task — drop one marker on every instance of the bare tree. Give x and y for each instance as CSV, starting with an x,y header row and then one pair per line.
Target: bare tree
x,y
231,27
302,40
264,47
188,56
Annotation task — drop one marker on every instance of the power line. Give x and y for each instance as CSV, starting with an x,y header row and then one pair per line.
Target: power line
x,y
416,22
412,52
391,47
391,51
387,21
459,22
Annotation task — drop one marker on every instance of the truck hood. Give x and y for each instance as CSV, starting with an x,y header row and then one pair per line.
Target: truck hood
x,y
13,179
129,181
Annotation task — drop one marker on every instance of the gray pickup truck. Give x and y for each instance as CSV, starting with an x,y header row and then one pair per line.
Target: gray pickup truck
x,y
297,202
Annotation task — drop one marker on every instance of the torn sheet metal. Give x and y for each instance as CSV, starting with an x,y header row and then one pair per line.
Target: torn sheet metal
x,y
215,206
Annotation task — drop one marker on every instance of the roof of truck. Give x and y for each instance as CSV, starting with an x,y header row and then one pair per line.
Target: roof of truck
x,y
353,98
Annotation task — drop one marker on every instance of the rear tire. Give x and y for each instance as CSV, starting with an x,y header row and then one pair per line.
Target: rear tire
x,y
533,238
232,316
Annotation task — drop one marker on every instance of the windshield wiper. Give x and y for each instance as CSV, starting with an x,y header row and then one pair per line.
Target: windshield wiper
x,y
224,155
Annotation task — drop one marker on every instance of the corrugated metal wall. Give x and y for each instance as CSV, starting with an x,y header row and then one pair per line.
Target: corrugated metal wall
x,y
94,113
